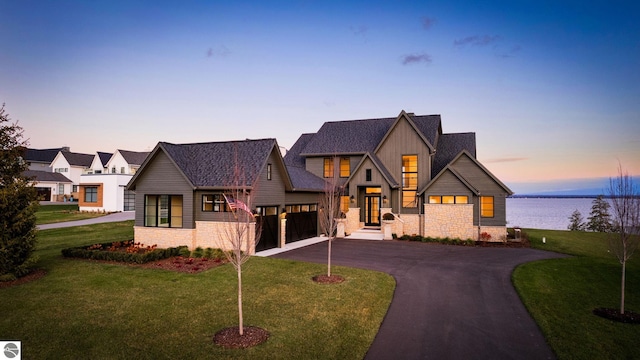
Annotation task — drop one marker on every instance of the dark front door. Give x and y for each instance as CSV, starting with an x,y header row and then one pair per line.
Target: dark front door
x,y
372,210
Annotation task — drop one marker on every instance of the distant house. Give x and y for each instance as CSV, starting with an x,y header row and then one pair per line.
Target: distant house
x,y
48,184
72,165
40,159
102,188
431,181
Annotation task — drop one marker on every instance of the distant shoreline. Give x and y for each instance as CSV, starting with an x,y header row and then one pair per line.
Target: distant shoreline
x,y
534,196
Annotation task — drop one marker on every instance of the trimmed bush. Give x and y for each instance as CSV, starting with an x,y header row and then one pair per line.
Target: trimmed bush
x,y
95,252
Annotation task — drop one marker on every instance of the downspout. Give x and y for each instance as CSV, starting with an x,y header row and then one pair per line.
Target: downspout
x,y
479,215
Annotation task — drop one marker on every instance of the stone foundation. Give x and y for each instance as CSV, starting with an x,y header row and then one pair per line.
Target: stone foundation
x,y
353,220
498,233
449,220
163,237
410,224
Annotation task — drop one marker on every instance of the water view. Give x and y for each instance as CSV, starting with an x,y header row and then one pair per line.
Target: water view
x,y
545,213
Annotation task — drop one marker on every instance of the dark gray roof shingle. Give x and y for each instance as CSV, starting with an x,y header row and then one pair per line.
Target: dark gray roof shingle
x,y
449,146
134,157
348,137
104,157
45,176
301,179
213,164
78,159
41,155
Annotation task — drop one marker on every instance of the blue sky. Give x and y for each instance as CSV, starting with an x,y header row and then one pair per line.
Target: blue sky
x,y
551,88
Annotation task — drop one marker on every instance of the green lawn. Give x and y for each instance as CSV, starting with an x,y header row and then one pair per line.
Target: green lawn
x,y
83,309
561,294
48,214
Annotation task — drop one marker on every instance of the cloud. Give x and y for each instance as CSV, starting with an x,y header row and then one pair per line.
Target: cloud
x,y
501,160
427,22
477,40
221,51
360,30
416,58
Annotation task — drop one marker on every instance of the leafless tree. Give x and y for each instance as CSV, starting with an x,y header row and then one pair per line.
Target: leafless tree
x,y
625,204
241,231
330,211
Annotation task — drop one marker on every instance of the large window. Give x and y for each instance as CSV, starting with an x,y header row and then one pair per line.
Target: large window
x,y
214,203
409,181
486,206
163,211
449,199
91,194
327,168
345,168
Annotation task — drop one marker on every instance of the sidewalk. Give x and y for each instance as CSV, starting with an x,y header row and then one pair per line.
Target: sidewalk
x,y
120,216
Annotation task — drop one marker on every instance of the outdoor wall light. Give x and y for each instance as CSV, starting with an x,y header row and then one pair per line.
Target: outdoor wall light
x,y
384,199
352,198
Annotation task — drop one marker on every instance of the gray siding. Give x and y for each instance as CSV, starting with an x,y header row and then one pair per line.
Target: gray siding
x,y
161,177
302,198
447,184
358,182
270,192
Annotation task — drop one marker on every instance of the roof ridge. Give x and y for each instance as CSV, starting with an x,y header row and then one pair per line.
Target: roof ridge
x,y
219,142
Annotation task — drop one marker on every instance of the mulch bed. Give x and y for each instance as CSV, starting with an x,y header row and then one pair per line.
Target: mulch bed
x,y
324,279
629,317
32,276
183,264
230,337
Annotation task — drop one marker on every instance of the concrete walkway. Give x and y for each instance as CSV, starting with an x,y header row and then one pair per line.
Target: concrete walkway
x,y
120,216
450,302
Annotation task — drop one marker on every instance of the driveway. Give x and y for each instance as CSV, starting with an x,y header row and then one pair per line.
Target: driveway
x,y
450,302
115,217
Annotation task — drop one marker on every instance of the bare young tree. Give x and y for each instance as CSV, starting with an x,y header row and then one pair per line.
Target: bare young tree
x,y
241,231
625,204
330,211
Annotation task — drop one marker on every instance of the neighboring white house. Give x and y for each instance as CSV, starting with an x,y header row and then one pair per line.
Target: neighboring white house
x,y
40,159
103,187
49,184
72,166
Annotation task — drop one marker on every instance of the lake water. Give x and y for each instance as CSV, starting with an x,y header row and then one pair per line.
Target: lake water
x,y
545,213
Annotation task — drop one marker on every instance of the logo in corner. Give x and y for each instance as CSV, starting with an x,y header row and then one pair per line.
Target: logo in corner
x,y
11,349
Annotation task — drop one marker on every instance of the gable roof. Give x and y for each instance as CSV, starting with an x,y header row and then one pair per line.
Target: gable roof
x,y
46,176
78,159
104,158
41,155
380,166
212,165
301,179
134,157
362,136
449,146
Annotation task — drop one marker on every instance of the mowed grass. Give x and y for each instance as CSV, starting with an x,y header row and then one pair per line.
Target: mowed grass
x,y
92,310
48,214
561,294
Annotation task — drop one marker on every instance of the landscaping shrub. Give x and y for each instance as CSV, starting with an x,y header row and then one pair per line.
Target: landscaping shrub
x,y
113,252
198,253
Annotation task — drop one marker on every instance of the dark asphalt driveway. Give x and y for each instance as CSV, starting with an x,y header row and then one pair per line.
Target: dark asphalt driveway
x,y
450,302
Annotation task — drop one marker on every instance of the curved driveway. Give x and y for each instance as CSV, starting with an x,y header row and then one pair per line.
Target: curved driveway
x,y
450,302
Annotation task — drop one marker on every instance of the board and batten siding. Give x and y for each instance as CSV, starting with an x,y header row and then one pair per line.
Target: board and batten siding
x,y
270,192
447,184
161,177
404,140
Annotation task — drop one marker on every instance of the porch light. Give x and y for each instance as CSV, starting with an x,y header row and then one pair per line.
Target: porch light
x,y
352,199
384,199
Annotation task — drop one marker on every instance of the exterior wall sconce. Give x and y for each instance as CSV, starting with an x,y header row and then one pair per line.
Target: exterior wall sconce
x,y
352,199
384,199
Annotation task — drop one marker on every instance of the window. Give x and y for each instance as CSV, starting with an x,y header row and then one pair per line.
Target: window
x,y
75,188
122,170
368,175
328,167
61,189
91,194
344,204
409,181
61,170
163,211
268,171
113,170
486,206
214,203
345,168
449,199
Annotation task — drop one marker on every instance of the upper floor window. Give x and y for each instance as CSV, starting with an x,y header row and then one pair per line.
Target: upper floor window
x,y
345,167
327,168
367,175
163,211
61,170
214,203
409,181
269,172
122,170
486,206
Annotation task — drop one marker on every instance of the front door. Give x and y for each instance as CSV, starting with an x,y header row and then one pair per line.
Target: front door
x,y
372,210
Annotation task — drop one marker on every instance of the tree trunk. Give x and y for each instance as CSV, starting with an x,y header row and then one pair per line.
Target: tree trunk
x,y
329,259
624,266
241,326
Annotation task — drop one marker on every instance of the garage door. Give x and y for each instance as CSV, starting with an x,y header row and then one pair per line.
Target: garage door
x,y
302,222
44,193
268,220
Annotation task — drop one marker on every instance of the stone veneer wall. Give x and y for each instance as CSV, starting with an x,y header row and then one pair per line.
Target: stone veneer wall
x,y
410,226
206,234
353,220
449,220
498,233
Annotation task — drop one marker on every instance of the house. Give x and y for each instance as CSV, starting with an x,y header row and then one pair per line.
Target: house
x,y
48,184
102,187
40,159
179,193
72,165
431,181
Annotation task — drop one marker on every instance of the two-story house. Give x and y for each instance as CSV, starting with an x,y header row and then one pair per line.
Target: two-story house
x,y
102,188
72,165
431,181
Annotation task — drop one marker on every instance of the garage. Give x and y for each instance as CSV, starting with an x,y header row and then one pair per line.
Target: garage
x,y
302,222
44,193
268,220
